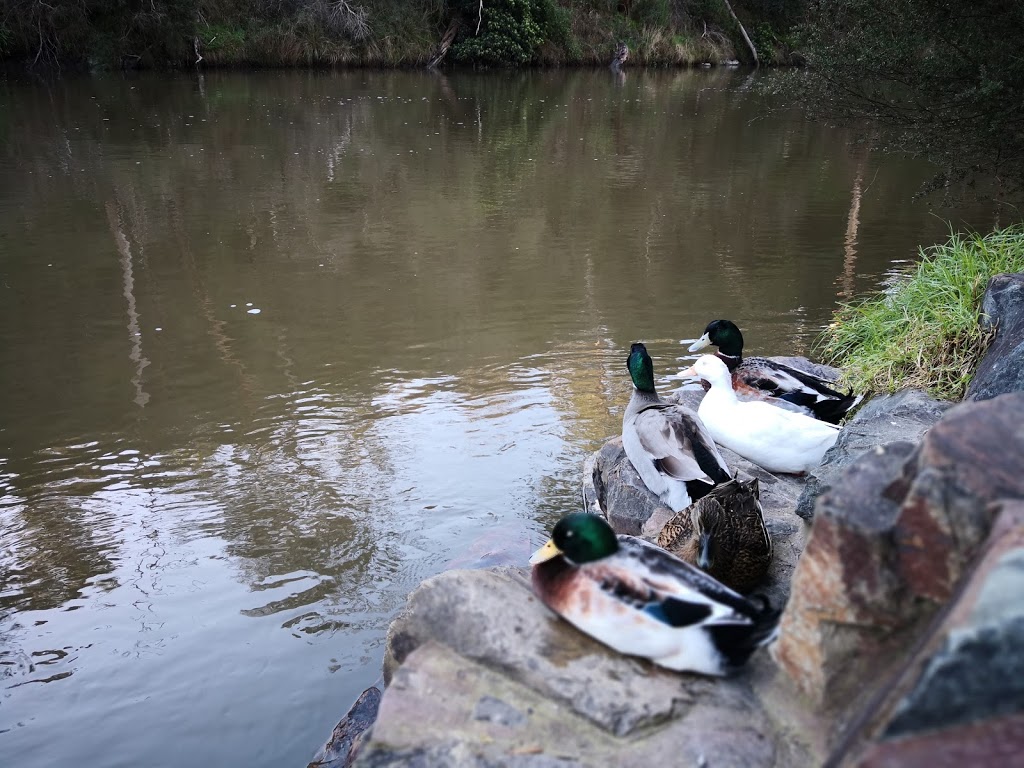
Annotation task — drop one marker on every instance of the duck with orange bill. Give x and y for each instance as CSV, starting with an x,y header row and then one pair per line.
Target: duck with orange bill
x,y
778,440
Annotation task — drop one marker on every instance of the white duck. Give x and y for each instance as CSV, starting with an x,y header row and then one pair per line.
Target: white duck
x,y
778,440
674,454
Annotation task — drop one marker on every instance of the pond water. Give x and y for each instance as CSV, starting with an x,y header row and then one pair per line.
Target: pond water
x,y
275,347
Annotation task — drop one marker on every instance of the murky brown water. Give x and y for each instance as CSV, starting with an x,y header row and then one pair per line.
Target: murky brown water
x,y
209,514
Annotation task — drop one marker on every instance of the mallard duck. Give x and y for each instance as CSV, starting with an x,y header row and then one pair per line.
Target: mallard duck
x,y
671,450
642,601
758,378
770,437
724,534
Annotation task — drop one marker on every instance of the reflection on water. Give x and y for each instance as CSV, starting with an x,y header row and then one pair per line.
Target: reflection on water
x,y
276,347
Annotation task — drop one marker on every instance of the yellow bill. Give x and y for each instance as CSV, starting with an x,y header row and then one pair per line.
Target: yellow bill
x,y
546,552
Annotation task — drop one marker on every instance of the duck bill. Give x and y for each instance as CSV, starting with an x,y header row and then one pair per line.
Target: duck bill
x,y
545,553
689,373
702,343
704,561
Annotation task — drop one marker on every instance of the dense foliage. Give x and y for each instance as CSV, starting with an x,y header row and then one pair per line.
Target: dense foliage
x,y
511,33
945,80
923,330
159,33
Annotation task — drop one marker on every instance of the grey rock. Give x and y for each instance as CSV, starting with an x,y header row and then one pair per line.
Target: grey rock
x,y
902,417
497,711
492,617
613,487
439,685
1002,368
349,734
483,674
979,671
979,674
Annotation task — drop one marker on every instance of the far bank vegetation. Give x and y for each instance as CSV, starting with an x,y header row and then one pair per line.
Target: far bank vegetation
x,y
103,34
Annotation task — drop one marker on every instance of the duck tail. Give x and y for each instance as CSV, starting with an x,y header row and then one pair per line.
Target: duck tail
x,y
804,399
833,411
736,642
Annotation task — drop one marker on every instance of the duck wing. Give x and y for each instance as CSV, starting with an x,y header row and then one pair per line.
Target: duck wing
x,y
681,585
737,626
745,506
680,444
798,387
677,532
628,586
679,596
832,411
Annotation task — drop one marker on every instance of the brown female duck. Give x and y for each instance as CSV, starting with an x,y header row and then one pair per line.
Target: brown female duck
x,y
724,534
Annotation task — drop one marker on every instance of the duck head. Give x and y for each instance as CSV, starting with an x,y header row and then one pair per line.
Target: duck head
x,y
706,518
641,369
711,369
722,334
581,537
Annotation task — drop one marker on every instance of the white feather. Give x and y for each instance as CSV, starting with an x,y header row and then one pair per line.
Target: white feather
x,y
778,440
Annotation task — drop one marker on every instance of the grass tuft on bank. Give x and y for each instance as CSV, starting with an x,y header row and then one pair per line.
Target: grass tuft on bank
x,y
923,331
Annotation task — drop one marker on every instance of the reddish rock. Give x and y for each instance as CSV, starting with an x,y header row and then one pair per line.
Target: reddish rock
x,y
890,540
958,699
972,456
992,742
847,598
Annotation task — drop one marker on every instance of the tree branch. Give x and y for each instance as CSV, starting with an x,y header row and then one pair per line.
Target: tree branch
x,y
750,45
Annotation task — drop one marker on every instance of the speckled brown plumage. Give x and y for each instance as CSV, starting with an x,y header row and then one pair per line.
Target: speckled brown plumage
x,y
738,544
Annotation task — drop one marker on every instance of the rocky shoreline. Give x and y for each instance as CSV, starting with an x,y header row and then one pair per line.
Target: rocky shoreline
x,y
900,560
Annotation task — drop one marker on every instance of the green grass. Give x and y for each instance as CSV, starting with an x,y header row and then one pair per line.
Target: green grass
x,y
923,330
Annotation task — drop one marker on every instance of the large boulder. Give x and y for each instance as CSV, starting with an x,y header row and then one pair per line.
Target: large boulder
x,y
442,709
970,458
902,417
848,605
960,698
493,618
1002,368
480,672
891,538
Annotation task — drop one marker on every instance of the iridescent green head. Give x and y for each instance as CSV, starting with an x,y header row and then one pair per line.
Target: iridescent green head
x,y
641,369
581,537
723,334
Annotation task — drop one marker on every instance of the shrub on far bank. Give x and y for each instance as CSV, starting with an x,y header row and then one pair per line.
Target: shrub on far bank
x,y
923,330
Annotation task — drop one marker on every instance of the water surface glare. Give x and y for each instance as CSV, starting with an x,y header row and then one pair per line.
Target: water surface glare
x,y
275,347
